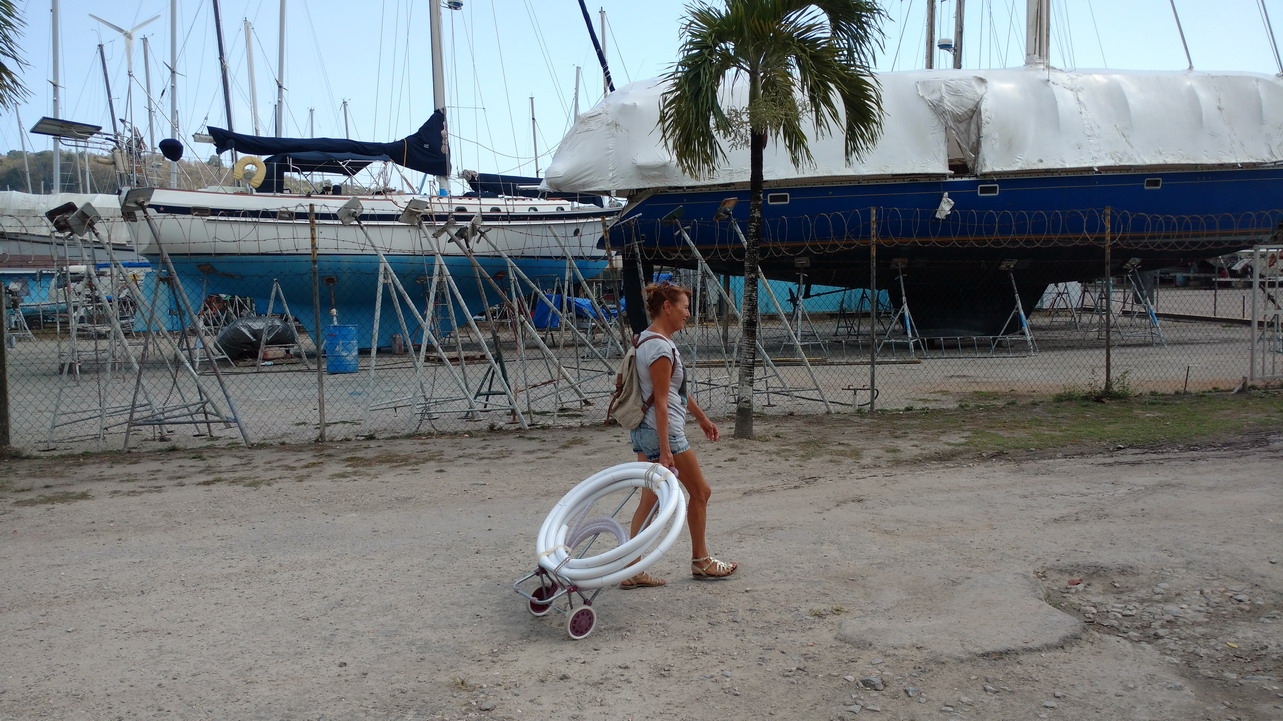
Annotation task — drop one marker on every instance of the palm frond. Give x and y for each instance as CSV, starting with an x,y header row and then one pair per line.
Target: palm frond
x,y
800,58
11,88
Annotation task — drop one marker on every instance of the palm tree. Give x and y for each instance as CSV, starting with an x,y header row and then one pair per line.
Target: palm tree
x,y
11,88
799,59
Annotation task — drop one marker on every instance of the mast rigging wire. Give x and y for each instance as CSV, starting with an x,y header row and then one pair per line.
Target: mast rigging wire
x,y
1269,30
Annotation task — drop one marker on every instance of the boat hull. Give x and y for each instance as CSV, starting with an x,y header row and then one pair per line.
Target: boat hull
x,y
958,270
244,245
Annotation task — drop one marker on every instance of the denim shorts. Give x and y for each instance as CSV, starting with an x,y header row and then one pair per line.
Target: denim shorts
x,y
646,440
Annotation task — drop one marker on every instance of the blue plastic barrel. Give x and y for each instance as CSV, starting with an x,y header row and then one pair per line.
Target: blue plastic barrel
x,y
340,349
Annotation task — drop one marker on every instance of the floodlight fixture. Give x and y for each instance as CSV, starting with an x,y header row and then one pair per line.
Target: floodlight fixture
x,y
350,211
1008,265
83,219
726,209
414,211
59,217
1131,264
674,215
136,199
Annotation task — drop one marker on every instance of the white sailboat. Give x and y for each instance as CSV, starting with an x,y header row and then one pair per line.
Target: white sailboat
x,y
244,241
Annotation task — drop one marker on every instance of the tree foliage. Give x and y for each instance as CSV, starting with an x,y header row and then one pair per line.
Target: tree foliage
x,y
802,60
12,90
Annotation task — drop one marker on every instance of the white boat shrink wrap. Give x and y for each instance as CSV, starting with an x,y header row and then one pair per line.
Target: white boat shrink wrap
x,y
987,121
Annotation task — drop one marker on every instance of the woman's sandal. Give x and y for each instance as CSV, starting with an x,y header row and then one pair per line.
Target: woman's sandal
x,y
641,580
711,568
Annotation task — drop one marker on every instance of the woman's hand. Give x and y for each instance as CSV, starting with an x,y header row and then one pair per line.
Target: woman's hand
x,y
666,458
709,428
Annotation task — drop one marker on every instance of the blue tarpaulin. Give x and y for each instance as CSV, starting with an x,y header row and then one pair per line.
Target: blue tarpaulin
x,y
544,317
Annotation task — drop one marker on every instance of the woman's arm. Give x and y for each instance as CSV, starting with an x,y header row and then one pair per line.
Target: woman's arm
x,y
661,376
705,423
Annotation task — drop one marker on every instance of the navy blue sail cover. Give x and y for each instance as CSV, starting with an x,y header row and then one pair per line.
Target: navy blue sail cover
x,y
489,185
427,150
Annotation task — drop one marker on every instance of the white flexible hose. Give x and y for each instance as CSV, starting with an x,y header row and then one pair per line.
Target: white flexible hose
x,y
611,567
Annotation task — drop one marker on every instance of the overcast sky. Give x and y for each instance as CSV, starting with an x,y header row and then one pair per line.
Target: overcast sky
x,y
376,56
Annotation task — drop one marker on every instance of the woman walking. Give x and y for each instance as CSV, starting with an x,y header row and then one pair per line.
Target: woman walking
x,y
661,437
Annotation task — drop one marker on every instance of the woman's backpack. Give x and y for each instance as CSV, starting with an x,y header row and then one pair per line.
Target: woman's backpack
x,y
627,406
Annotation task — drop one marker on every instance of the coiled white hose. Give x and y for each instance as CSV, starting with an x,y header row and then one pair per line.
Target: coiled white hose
x,y
611,567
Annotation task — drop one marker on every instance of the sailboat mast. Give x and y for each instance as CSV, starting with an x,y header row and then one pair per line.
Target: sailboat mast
x,y
957,34
173,85
931,35
280,77
438,73
106,81
607,82
1037,32
222,64
151,110
249,66
534,134
56,81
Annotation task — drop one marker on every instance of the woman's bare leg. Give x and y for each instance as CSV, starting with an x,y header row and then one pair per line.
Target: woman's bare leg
x,y
692,478
644,506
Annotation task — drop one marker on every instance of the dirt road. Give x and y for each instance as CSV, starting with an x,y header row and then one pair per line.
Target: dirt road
x,y
878,579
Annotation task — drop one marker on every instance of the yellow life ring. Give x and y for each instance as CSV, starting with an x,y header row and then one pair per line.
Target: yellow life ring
x,y
241,169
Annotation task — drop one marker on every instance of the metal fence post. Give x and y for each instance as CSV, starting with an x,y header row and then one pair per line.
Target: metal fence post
x,y
1252,328
873,310
317,342
4,369
1109,304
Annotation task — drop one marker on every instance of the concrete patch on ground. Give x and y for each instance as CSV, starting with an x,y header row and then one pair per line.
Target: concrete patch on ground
x,y
976,615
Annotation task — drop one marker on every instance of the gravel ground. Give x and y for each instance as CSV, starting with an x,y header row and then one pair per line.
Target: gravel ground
x,y
879,579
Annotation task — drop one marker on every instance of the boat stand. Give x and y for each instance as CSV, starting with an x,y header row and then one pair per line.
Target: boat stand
x,y
902,320
770,369
144,413
424,403
520,281
204,410
289,320
803,328
1017,318
1063,301
1133,315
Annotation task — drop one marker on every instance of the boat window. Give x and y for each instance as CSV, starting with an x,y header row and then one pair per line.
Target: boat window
x,y
495,210
533,210
284,214
777,198
1153,183
460,209
987,189
576,231
200,212
559,208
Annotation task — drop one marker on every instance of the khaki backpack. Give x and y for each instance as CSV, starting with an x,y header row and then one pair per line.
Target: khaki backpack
x,y
627,406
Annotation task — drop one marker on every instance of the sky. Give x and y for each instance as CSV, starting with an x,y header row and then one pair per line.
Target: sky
x,y
500,53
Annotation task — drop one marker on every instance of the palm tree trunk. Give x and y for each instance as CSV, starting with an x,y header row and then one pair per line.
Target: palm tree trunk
x,y
748,314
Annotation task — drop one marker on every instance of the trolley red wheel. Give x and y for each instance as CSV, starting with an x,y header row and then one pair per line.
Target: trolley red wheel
x,y
543,593
581,622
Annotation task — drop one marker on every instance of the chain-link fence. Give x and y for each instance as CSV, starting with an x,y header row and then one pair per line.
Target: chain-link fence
x,y
113,353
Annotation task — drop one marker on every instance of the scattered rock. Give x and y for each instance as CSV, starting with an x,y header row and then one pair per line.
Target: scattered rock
x,y
912,691
855,708
872,682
